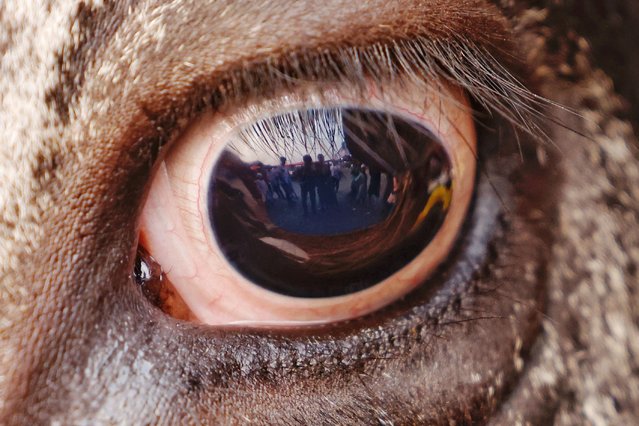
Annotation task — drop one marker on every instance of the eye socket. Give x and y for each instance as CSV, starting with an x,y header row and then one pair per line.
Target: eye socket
x,y
244,237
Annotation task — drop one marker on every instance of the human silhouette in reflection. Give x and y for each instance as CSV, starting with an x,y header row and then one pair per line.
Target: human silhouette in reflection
x,y
262,186
274,183
375,185
359,184
324,183
307,177
285,181
336,176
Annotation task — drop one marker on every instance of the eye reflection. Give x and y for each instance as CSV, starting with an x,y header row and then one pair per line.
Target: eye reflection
x,y
327,202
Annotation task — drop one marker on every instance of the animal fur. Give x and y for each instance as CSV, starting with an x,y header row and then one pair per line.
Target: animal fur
x,y
91,91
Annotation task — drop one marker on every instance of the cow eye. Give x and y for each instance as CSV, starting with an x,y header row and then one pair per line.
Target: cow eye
x,y
310,208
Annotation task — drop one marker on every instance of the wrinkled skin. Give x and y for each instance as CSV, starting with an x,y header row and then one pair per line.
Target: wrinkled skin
x,y
541,326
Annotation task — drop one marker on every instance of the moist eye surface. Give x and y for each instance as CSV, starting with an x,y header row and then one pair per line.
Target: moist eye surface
x,y
327,202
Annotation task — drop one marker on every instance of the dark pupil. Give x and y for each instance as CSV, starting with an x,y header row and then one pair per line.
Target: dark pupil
x,y
326,202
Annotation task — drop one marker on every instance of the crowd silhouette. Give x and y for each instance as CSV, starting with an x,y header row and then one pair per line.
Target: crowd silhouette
x,y
324,190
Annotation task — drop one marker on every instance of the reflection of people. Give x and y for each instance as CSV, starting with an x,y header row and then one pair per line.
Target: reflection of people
x,y
274,182
323,180
262,187
439,189
285,181
307,180
355,180
361,193
375,185
438,175
440,195
336,176
358,183
392,198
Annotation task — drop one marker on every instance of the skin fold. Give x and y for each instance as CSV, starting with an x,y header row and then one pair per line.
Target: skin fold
x,y
532,319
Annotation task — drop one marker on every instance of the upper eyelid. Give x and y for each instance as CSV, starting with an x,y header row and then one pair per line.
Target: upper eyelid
x,y
462,62
136,116
491,74
460,40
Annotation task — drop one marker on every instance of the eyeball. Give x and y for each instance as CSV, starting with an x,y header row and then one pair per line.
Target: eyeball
x,y
312,209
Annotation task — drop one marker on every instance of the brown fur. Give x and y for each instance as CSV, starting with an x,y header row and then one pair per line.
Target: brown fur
x,y
90,93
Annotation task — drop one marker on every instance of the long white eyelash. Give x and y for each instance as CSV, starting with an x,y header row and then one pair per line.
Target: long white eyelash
x,y
457,60
314,131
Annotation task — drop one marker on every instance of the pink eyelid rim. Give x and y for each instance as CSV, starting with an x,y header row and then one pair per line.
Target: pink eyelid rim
x,y
173,231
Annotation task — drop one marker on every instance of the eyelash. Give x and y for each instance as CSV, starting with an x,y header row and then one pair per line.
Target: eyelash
x,y
478,70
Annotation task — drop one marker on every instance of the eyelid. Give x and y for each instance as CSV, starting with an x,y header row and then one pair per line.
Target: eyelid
x,y
455,62
158,85
453,125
